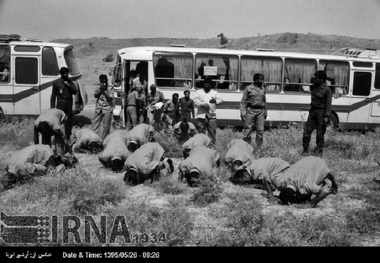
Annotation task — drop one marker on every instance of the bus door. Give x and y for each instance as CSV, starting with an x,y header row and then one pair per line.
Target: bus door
x,y
26,91
360,102
375,112
6,80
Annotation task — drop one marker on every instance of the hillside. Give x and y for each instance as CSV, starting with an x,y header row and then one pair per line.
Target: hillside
x,y
310,43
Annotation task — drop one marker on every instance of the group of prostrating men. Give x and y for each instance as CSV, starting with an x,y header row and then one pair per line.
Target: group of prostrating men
x,y
136,153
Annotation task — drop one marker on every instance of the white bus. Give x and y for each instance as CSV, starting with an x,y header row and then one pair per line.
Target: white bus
x,y
28,68
353,74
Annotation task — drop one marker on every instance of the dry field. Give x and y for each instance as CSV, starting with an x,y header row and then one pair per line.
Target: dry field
x,y
217,213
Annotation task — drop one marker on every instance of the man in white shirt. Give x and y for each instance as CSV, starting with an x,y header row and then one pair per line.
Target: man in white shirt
x,y
206,100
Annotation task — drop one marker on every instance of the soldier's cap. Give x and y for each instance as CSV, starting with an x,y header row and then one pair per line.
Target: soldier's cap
x,y
240,169
292,187
195,170
115,158
132,169
133,142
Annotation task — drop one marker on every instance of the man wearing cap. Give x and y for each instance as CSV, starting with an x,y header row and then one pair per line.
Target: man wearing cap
x,y
155,102
186,106
263,171
134,100
198,139
115,150
253,109
238,151
105,104
308,180
51,122
206,100
184,130
87,141
140,135
319,113
198,164
147,162
34,160
62,97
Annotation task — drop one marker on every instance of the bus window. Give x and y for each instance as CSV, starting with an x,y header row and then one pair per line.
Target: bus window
x,y
337,73
362,83
223,70
270,67
26,71
173,69
49,62
377,76
300,73
4,64
71,62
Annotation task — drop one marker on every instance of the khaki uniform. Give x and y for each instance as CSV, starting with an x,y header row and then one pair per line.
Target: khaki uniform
x,y
239,150
141,134
199,139
115,147
55,118
270,168
30,160
253,108
202,159
307,175
145,159
84,137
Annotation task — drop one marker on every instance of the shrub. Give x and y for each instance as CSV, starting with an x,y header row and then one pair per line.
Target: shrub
x,y
169,185
209,191
108,58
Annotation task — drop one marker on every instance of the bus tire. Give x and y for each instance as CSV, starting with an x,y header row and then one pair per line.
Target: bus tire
x,y
333,122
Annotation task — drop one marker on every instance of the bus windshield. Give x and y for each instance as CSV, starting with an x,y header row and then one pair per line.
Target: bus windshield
x,y
71,62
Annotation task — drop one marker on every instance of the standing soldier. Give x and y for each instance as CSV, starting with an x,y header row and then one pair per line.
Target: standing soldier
x,y
51,122
62,97
319,113
134,101
105,103
171,112
253,110
186,106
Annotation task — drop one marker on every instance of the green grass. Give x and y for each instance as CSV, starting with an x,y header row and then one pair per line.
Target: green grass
x,y
216,213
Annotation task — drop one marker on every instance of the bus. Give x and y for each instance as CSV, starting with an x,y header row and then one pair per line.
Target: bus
x,y
28,68
353,75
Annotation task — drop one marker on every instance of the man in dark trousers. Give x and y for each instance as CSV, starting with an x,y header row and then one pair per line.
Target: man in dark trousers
x,y
62,98
253,110
319,113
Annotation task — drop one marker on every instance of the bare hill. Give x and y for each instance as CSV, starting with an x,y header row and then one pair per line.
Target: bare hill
x,y
309,43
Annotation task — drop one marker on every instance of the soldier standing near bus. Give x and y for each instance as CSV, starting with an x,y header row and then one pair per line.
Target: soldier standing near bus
x,y
253,109
319,113
62,98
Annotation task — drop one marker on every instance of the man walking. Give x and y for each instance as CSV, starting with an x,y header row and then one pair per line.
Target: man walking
x,y
319,113
207,99
62,98
186,106
253,110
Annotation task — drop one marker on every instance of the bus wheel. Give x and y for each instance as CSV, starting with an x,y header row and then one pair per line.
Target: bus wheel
x,y
333,123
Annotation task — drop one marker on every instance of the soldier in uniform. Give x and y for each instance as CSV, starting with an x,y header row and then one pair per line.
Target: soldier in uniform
x,y
32,161
319,113
147,162
62,97
140,135
87,141
197,140
253,110
51,122
198,164
239,152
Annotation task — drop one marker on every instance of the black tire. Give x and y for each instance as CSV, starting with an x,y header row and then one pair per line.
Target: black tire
x,y
333,123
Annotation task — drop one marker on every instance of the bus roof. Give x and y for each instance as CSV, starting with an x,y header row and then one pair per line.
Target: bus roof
x,y
145,53
14,39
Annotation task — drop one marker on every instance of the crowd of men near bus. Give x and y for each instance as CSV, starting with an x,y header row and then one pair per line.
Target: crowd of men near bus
x,y
134,150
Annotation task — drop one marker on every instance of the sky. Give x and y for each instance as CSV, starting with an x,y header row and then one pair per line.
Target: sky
x,y
52,19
